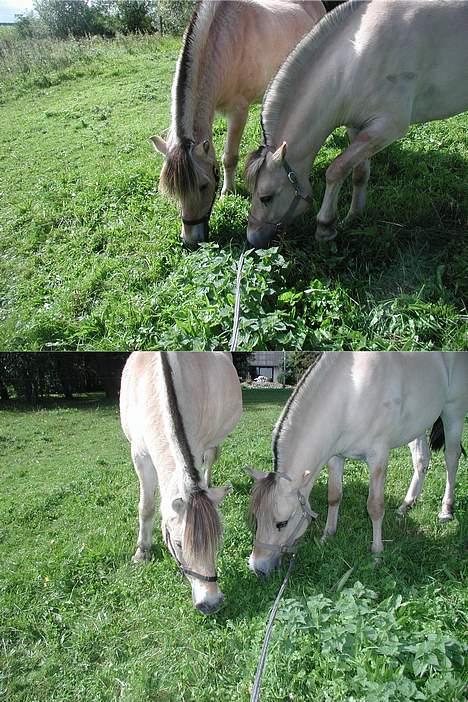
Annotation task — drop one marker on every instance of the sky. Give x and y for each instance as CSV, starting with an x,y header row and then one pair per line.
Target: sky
x,y
10,8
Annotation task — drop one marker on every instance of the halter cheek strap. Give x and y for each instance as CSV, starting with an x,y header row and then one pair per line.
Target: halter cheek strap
x,y
291,544
206,217
183,569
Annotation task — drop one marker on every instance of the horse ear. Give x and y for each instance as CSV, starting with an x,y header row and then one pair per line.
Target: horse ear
x,y
256,474
159,144
280,154
178,505
217,494
202,149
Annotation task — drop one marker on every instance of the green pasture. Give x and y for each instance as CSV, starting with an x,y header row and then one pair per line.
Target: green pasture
x,y
90,252
79,622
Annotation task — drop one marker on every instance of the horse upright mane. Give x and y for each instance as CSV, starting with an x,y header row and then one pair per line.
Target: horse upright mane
x,y
286,418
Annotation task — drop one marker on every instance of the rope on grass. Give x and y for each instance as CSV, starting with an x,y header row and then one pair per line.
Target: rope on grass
x,y
266,641
235,325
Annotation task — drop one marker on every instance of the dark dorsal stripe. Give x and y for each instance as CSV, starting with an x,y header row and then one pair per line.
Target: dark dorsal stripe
x,y
184,66
177,419
289,405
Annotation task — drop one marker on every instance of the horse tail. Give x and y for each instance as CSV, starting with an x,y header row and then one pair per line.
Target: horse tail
x,y
437,437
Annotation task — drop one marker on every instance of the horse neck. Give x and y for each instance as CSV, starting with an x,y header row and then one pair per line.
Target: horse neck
x,y
288,106
309,429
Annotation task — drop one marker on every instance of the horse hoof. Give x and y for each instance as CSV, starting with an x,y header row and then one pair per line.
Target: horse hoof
x,y
445,517
325,233
141,556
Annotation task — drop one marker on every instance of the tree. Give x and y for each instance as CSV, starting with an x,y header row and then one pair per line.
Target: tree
x,y
65,17
134,15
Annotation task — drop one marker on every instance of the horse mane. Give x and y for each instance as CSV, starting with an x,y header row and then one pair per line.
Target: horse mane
x,y
177,421
253,164
203,529
261,498
305,57
284,420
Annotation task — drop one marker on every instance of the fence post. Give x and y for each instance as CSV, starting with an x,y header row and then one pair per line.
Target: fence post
x,y
161,24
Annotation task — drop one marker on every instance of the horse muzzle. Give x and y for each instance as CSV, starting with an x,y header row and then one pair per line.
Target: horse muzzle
x,y
260,237
195,234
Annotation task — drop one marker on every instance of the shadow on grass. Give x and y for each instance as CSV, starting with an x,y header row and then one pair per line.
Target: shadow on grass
x,y
409,237
412,558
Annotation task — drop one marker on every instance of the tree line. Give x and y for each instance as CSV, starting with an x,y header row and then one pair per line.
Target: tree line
x,y
63,19
31,377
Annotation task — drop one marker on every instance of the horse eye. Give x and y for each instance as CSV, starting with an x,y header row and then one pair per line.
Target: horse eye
x,y
266,199
281,525
203,187
178,544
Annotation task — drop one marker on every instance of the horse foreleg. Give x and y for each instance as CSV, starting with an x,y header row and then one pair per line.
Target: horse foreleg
x,y
367,142
421,456
335,493
236,120
146,472
375,500
210,457
453,429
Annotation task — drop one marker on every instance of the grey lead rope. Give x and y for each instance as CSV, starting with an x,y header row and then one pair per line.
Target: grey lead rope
x,y
261,662
235,325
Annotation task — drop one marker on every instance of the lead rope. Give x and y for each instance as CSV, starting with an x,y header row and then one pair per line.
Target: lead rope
x,y
266,641
235,324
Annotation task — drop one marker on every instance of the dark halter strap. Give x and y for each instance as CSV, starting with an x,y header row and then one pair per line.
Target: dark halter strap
x,y
206,217
183,569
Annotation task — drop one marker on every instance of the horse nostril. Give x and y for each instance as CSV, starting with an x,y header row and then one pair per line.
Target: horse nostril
x,y
210,607
262,574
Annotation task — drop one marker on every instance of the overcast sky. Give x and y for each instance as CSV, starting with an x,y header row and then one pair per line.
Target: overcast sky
x,y
10,8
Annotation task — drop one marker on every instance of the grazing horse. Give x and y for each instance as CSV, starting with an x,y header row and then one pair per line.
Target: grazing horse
x,y
373,67
355,405
230,52
176,409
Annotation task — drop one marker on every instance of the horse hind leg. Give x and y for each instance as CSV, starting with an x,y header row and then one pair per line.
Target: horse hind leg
x,y
147,477
335,493
421,456
453,428
236,120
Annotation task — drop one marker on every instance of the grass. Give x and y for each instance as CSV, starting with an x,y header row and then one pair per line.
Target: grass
x,y
90,254
79,622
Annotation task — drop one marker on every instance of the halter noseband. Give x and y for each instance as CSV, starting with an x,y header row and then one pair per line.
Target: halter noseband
x,y
183,569
291,544
299,194
206,217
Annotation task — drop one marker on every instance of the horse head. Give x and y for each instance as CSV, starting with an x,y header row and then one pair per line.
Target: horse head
x,y
280,514
192,530
190,175
277,193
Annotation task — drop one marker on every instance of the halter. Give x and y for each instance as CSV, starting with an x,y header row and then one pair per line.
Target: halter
x,y
206,217
299,194
183,569
291,544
